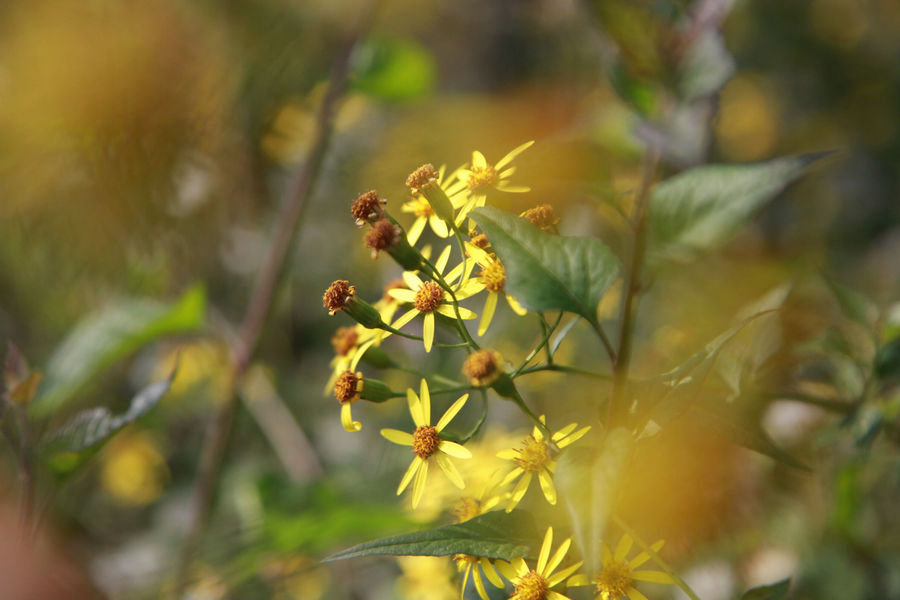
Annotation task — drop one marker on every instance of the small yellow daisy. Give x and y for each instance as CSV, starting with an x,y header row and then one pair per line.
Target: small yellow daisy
x,y
617,576
428,298
482,175
535,584
427,443
424,212
534,458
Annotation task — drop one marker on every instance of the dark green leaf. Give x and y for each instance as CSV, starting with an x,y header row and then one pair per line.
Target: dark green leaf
x,y
549,272
495,534
109,335
700,208
774,591
394,69
71,445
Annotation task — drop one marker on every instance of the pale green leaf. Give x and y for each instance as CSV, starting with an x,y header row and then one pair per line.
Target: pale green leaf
x,y
111,334
702,207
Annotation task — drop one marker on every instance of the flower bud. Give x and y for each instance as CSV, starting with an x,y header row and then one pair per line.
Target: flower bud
x,y
341,296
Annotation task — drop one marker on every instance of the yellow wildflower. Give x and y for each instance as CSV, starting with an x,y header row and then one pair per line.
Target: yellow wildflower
x,y
535,584
617,576
535,458
427,443
428,298
481,176
424,212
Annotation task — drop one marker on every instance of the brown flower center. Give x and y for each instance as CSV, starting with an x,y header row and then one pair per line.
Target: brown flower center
x,y
481,241
542,217
425,441
493,276
338,295
467,508
531,586
367,207
348,386
344,340
422,178
482,177
482,367
382,236
429,297
614,580
534,456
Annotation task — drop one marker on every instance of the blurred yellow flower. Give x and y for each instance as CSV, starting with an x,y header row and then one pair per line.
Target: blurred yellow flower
x,y
747,127
492,278
426,442
419,206
203,367
617,576
425,578
534,458
535,584
133,470
482,175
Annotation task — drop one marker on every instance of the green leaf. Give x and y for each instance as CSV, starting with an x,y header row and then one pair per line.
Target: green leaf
x,y
706,66
774,591
394,69
855,305
700,208
109,335
72,444
549,272
495,534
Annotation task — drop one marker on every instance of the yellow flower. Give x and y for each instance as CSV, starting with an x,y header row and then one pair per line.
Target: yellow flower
x,y
535,584
617,576
350,344
427,443
481,176
535,458
469,565
424,212
492,278
428,298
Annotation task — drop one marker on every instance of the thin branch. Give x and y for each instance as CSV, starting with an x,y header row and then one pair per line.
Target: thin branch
x,y
292,211
632,287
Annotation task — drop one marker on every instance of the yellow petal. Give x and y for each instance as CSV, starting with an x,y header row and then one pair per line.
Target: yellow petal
x,y
519,491
451,412
564,432
511,476
506,569
508,454
545,551
520,566
415,408
515,306
564,573
428,331
419,484
453,449
478,159
359,354
512,154
449,470
406,318
397,436
402,295
633,594
411,280
490,304
441,261
574,437
644,556
412,470
412,236
622,548
347,419
558,556
551,595
425,401
438,226
490,572
578,580
512,189
547,486
506,173
652,577
479,585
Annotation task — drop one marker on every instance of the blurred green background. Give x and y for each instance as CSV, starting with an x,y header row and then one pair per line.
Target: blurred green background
x,y
145,147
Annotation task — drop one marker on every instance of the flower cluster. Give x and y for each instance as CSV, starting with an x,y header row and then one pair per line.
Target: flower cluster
x,y
435,289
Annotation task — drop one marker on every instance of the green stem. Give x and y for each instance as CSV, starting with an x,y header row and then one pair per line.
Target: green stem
x,y
616,407
657,559
481,420
607,345
543,343
517,398
565,369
